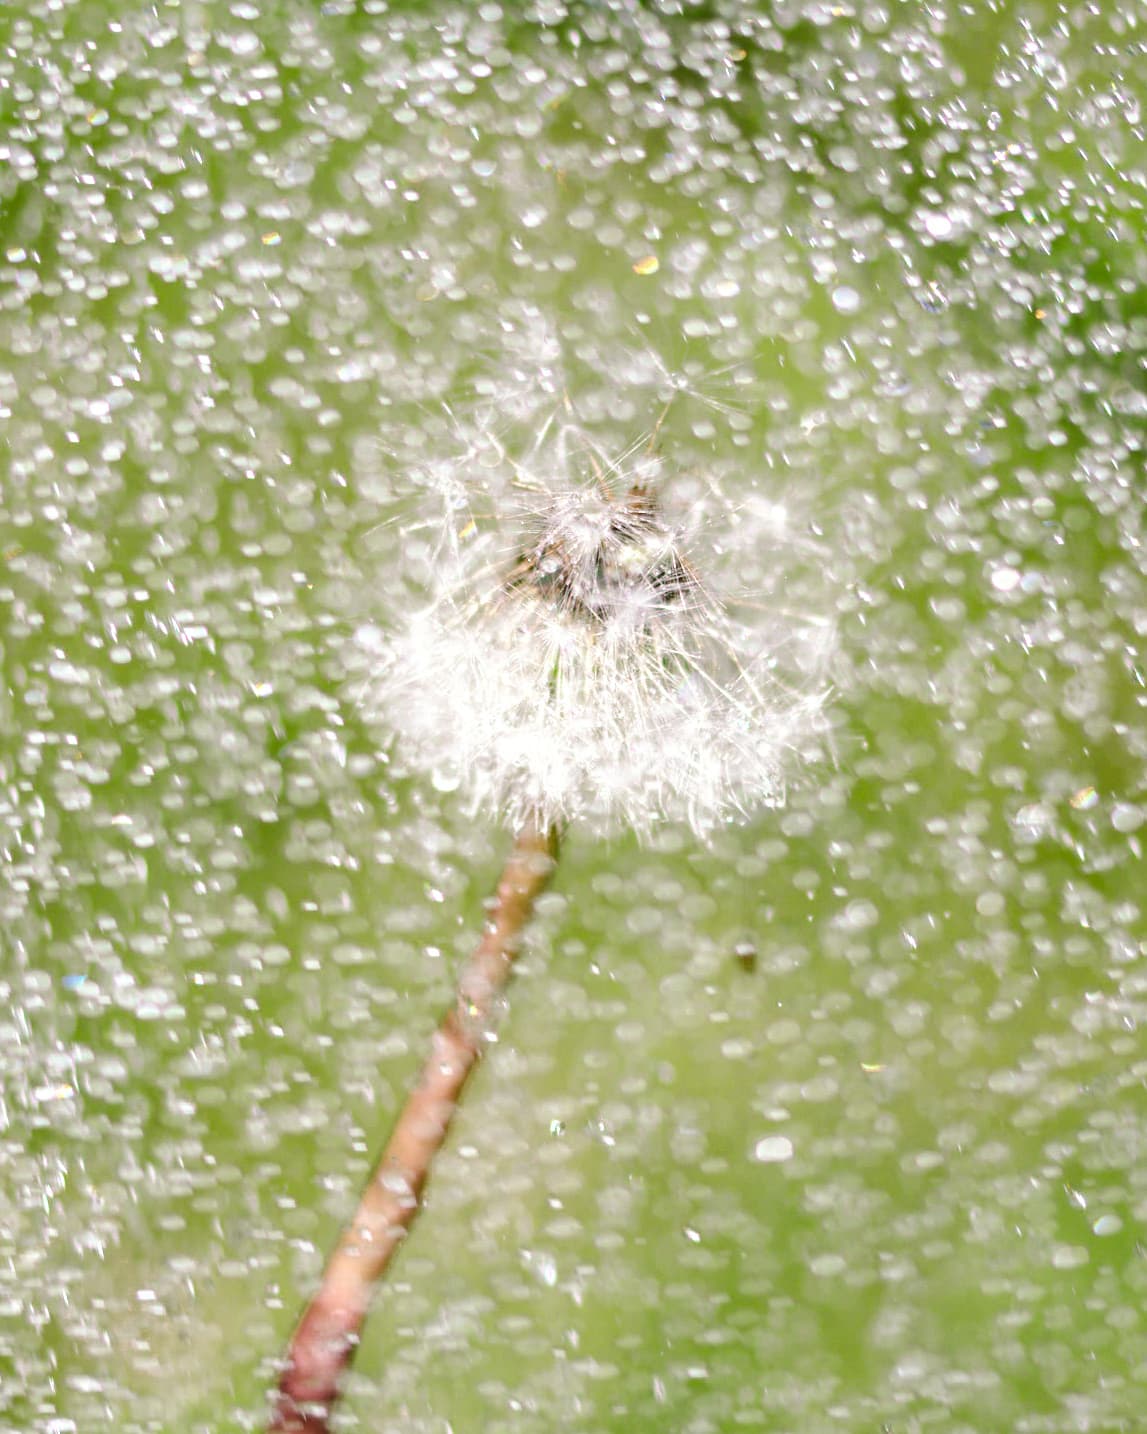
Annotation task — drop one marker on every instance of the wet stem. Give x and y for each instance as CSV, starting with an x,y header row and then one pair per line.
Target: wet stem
x,y
327,1335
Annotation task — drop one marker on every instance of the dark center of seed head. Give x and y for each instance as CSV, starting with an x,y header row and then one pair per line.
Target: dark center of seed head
x,y
623,567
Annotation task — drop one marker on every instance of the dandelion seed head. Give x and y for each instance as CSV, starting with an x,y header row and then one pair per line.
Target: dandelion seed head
x,y
572,660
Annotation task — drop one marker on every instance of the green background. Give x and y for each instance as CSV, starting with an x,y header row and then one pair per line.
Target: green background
x,y
251,258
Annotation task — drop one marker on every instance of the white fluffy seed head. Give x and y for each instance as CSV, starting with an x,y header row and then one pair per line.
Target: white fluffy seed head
x,y
572,663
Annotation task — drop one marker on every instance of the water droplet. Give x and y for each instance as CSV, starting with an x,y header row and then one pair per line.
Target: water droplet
x,y
773,1149
1006,580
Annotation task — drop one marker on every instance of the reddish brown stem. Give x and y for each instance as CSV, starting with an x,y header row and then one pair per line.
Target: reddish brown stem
x,y
326,1337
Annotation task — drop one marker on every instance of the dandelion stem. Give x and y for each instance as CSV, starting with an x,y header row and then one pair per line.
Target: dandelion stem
x,y
327,1335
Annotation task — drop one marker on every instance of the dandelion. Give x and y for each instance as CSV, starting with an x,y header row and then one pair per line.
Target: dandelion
x,y
575,663
571,662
